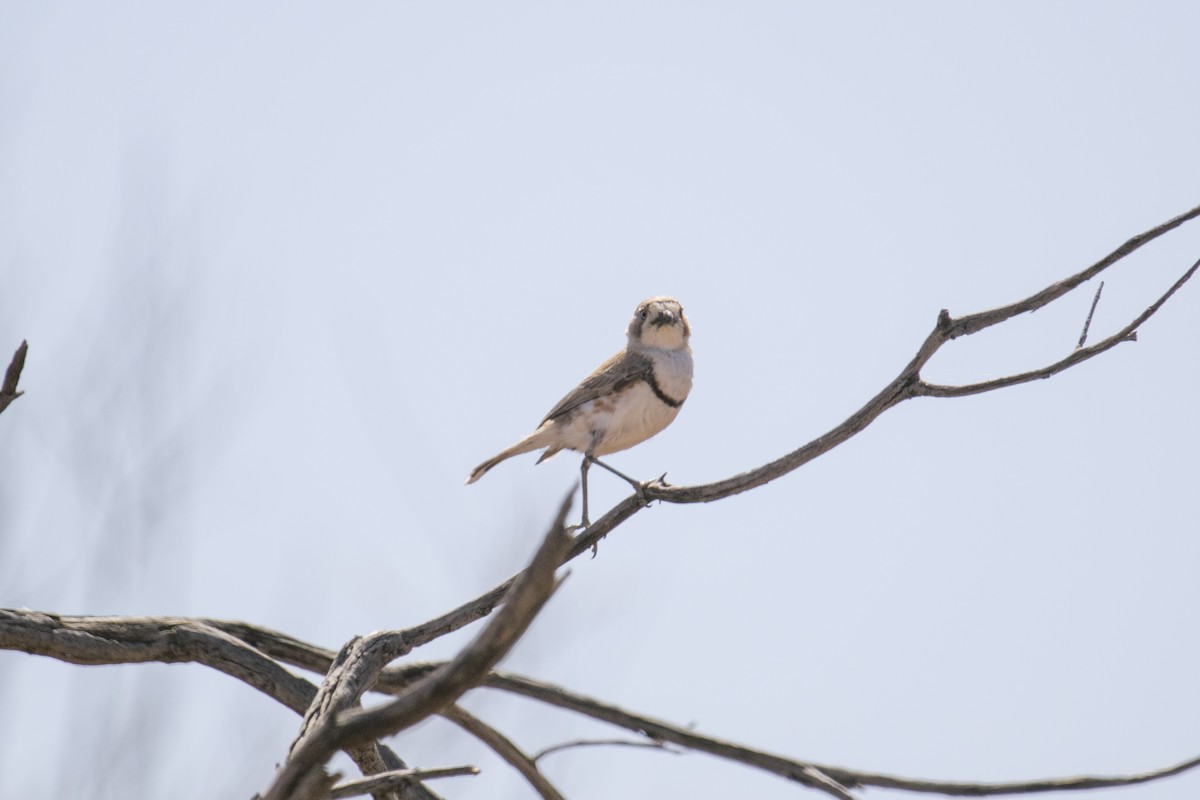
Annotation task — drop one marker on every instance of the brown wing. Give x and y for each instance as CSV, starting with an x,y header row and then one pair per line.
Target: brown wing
x,y
613,375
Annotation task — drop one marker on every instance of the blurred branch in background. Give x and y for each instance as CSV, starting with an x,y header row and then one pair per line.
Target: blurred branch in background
x,y
9,392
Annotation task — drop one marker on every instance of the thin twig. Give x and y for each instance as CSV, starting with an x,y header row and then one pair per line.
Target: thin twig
x,y
973,323
389,781
1079,783
1087,323
1126,334
578,743
505,748
790,768
831,780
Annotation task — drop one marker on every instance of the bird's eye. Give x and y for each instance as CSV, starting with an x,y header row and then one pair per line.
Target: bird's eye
x,y
643,314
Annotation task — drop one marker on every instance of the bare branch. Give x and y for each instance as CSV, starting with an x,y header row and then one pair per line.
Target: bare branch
x,y
444,685
504,748
831,780
353,670
169,640
389,781
579,743
166,640
973,323
116,640
1081,783
341,689
408,790
793,769
1087,323
908,383
8,391
278,645
1126,334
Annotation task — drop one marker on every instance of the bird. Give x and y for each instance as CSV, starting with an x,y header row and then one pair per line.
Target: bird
x,y
629,398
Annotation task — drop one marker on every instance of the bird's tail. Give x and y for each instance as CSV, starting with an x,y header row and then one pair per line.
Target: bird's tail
x,y
531,442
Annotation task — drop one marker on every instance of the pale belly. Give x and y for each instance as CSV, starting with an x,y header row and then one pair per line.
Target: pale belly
x,y
626,419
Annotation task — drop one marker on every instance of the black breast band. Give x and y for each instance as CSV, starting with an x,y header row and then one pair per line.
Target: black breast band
x,y
659,393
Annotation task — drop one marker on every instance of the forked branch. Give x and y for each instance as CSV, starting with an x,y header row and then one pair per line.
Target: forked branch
x,y
439,688
115,640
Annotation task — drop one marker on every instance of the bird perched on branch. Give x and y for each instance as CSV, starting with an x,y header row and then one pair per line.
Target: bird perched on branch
x,y
628,399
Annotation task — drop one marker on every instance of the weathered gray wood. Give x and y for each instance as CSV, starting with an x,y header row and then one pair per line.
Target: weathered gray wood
x,y
336,727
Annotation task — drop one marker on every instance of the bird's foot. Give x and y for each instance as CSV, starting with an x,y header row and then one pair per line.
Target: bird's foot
x,y
641,488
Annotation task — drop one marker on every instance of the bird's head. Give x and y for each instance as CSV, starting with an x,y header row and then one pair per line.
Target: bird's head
x,y
659,322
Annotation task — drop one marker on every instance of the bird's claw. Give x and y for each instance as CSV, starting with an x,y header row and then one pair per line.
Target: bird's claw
x,y
641,488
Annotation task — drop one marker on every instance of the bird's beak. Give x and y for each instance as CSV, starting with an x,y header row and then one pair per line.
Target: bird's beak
x,y
664,318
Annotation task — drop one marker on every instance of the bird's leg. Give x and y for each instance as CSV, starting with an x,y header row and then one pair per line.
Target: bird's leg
x,y
599,463
639,488
583,471
588,458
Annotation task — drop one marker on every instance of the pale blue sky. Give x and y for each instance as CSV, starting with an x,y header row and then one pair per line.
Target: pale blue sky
x,y
288,272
